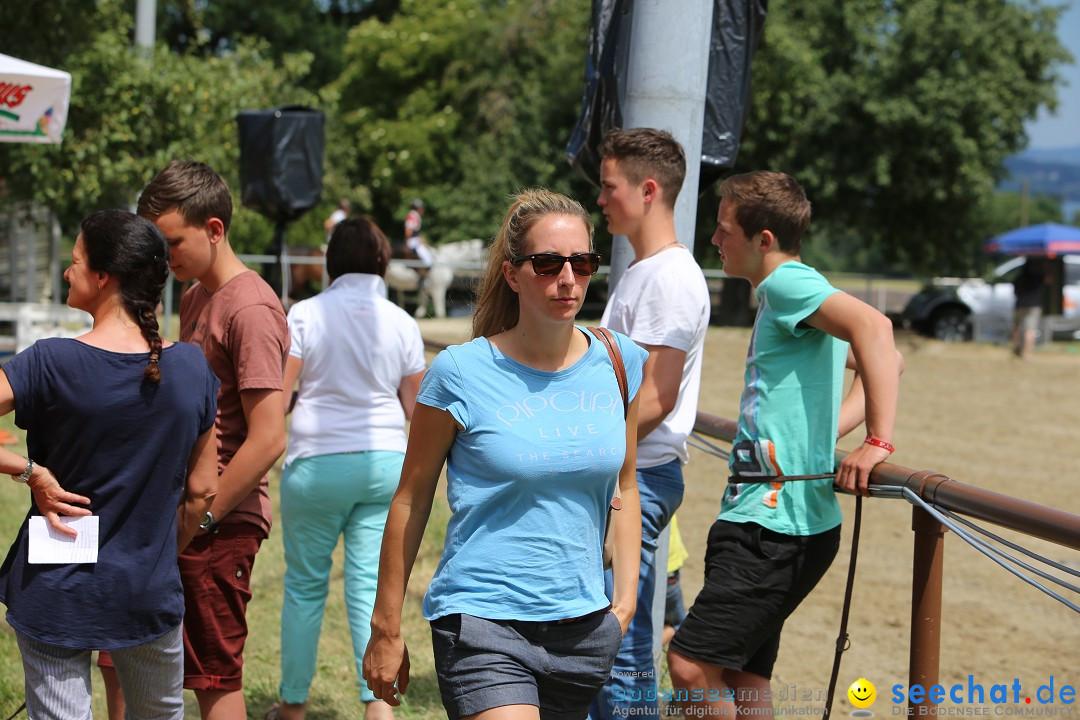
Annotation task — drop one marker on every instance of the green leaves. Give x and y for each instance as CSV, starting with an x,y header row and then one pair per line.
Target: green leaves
x,y
898,116
130,114
462,103
895,114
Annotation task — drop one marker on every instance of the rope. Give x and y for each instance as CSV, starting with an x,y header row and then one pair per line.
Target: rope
x,y
1030,568
842,640
736,480
699,442
946,518
1014,546
17,711
963,534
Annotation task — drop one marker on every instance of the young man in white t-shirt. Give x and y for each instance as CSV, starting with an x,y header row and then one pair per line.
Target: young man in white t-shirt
x,y
662,303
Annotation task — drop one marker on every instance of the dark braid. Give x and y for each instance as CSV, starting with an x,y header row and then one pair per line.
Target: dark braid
x,y
134,251
148,323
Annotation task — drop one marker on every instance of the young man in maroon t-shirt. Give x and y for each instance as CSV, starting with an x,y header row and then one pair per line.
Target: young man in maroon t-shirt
x,y
239,322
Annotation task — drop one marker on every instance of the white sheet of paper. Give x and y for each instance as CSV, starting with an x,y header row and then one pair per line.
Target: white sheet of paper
x,y
48,547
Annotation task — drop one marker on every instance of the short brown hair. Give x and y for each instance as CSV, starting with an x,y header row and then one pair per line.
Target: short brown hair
x,y
193,189
644,153
357,246
766,200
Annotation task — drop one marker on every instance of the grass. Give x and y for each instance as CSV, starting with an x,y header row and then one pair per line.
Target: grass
x,y
13,504
335,691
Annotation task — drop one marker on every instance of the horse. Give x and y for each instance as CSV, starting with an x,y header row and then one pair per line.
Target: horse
x,y
307,278
402,275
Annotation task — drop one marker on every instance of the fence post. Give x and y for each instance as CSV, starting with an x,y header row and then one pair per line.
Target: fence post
x,y
926,575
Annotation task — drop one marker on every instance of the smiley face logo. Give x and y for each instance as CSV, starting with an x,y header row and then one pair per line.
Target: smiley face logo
x,y
862,694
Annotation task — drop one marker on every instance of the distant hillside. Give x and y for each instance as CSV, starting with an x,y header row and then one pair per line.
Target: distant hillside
x,y
1048,172
1067,156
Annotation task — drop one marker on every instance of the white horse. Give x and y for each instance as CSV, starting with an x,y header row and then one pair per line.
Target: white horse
x,y
402,277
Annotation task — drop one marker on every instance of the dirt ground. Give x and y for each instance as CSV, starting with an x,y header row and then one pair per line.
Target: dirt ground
x,y
977,415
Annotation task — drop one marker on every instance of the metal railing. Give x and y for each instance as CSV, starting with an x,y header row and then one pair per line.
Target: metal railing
x,y
29,322
862,287
939,492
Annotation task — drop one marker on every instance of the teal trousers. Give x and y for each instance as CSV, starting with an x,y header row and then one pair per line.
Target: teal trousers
x,y
323,498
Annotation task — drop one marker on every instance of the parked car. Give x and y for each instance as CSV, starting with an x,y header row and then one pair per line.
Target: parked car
x,y
955,309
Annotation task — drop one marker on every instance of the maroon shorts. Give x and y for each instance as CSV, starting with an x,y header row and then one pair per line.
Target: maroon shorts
x,y
216,574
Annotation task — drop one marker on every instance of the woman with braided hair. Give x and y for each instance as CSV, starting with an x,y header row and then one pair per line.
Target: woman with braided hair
x,y
119,425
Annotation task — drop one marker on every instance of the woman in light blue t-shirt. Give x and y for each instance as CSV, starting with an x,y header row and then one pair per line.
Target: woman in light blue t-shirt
x,y
530,421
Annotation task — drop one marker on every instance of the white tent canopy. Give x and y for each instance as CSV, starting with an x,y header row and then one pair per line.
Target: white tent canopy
x,y
33,101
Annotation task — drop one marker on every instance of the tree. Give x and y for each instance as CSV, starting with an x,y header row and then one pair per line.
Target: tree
x,y
897,116
319,27
44,32
131,114
1002,212
461,103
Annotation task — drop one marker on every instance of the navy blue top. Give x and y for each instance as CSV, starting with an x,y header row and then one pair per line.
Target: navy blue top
x,y
123,443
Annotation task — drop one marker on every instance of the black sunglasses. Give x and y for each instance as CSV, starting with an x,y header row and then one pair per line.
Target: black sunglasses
x,y
547,264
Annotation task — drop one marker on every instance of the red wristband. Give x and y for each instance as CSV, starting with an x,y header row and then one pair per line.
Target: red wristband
x,y
877,442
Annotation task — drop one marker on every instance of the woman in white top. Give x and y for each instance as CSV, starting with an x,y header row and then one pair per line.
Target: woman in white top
x,y
359,360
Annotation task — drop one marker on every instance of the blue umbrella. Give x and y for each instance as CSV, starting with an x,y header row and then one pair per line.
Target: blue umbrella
x,y
1046,239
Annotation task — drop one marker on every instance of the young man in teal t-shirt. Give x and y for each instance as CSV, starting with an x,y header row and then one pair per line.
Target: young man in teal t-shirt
x,y
774,540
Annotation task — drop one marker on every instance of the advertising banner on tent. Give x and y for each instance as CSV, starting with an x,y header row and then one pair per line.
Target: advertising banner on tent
x,y
33,102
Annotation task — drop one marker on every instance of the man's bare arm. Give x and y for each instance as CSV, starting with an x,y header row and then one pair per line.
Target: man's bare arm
x,y
877,364
261,448
660,382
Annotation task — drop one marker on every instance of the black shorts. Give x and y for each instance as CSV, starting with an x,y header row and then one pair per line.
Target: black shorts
x,y
754,579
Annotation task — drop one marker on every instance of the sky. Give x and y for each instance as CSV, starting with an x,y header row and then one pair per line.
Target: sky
x,y
1062,130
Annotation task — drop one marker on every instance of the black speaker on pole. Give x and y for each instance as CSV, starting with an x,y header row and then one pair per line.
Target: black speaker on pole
x,y
281,161
281,168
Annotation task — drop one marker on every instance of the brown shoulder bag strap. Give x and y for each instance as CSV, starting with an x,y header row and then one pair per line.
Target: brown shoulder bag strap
x,y
604,335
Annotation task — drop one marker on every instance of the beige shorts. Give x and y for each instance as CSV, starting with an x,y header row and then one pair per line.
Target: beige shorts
x,y
1027,319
